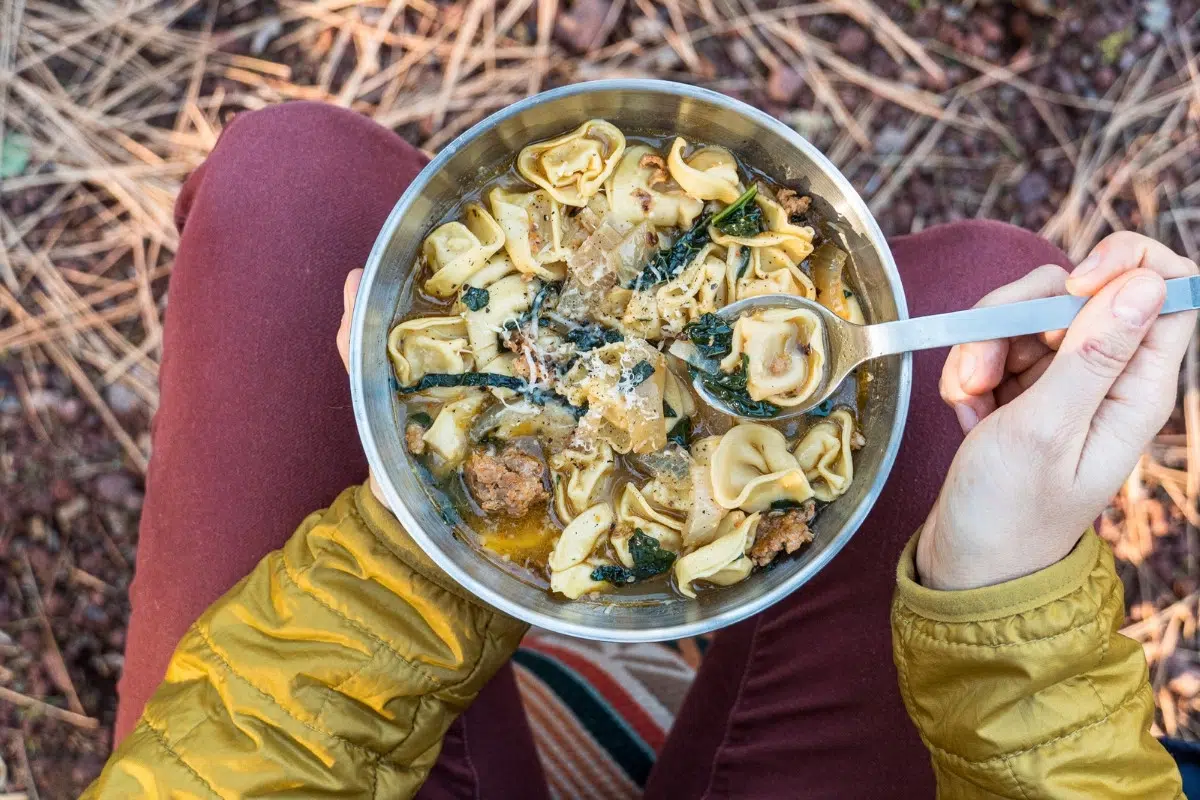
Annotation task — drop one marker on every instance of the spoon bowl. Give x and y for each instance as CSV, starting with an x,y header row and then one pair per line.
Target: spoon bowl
x,y
846,346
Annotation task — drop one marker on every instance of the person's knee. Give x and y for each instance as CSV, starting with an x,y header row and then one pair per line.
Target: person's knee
x,y
1004,242
295,155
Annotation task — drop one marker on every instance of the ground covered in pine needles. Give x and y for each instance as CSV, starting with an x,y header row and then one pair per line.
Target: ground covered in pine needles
x,y
1073,119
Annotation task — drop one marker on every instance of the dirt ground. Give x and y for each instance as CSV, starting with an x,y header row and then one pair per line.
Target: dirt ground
x,y
1073,119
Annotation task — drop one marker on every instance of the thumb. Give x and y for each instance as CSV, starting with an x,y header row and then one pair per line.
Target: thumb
x,y
1097,348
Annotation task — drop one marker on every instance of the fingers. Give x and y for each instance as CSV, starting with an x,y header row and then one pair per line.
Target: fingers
x,y
969,408
1121,252
973,371
981,364
349,293
1097,348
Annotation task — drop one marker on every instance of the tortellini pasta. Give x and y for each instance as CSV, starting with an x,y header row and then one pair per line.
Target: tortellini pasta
x,y
634,198
722,561
794,240
457,250
710,173
705,513
575,166
769,270
571,563
580,479
448,436
634,512
786,352
532,231
698,289
507,299
752,468
423,345
824,455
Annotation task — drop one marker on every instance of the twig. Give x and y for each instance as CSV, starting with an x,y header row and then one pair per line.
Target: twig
x,y
61,714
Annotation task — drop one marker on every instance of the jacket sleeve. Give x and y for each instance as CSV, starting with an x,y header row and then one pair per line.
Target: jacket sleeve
x,y
1025,689
332,670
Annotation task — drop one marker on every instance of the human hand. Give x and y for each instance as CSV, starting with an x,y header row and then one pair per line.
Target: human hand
x,y
1055,423
349,294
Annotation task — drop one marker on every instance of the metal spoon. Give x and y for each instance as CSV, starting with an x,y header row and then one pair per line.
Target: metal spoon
x,y
849,345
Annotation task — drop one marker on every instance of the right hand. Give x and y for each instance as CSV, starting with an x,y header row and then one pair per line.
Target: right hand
x,y
1054,424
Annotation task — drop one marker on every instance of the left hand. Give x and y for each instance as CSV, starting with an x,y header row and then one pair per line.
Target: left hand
x,y
349,294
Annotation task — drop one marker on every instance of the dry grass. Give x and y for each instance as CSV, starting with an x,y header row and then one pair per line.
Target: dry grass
x,y
117,102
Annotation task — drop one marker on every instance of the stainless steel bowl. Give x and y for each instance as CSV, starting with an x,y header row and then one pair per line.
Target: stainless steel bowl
x,y
640,107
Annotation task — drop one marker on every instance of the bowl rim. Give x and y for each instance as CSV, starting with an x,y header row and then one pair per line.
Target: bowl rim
x,y
495,598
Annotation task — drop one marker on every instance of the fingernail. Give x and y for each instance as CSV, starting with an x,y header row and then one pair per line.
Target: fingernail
x,y
966,367
1086,266
967,418
1138,300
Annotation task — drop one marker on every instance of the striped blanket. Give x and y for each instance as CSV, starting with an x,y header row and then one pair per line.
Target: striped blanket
x,y
600,712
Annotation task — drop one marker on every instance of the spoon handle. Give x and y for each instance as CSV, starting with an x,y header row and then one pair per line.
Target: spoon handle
x,y
1001,322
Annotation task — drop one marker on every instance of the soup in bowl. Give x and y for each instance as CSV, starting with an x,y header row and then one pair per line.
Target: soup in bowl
x,y
514,381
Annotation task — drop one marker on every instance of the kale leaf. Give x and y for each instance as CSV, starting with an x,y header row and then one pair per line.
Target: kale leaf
x,y
670,261
535,394
421,418
668,411
475,298
589,337
745,222
681,432
712,334
640,373
743,263
730,388
649,559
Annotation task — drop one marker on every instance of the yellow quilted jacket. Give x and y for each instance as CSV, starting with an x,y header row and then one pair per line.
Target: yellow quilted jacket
x,y
336,666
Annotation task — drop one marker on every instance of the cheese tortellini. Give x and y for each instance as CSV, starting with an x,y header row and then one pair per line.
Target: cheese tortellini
x,y
752,468
825,455
640,191
709,174
457,250
424,345
574,167
785,348
722,561
547,354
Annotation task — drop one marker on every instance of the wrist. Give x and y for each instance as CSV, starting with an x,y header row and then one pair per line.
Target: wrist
x,y
959,557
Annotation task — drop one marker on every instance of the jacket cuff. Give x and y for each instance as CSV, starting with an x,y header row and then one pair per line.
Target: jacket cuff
x,y
1002,599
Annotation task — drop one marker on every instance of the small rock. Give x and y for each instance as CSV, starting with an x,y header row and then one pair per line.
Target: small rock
x,y
69,409
1156,15
113,487
740,53
890,139
577,27
133,501
1032,189
646,29
990,30
853,41
784,84
122,399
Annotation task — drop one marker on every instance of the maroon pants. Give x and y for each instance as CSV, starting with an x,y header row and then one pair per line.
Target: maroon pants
x,y
255,431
